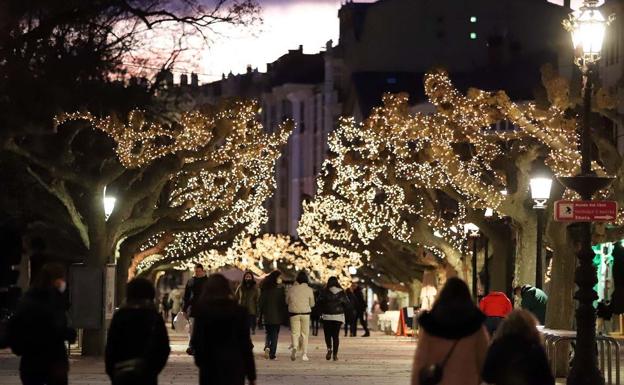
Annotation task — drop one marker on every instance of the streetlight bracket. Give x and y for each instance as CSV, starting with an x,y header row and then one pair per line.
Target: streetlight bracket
x,y
540,204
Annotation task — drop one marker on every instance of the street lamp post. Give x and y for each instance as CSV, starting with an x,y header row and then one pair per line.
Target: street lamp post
x,y
587,27
472,231
540,192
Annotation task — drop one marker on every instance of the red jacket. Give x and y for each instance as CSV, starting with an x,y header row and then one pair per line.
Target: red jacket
x,y
495,304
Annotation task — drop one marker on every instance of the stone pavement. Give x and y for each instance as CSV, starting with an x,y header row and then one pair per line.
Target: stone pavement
x,y
377,360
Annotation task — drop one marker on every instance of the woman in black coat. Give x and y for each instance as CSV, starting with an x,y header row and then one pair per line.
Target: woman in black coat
x,y
223,349
137,343
39,329
517,356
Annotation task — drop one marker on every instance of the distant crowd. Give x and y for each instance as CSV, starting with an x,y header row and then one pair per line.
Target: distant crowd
x,y
458,341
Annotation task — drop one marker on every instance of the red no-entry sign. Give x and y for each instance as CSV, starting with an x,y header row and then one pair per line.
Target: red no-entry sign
x,y
585,211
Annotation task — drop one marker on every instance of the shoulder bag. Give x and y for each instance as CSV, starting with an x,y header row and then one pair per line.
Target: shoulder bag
x,y
432,374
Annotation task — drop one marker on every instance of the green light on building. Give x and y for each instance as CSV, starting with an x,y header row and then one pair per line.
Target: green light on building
x,y
473,35
473,19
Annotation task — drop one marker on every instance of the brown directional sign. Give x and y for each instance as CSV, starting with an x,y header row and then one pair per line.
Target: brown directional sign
x,y
585,211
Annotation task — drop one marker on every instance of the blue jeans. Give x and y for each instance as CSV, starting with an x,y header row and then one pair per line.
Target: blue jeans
x,y
272,332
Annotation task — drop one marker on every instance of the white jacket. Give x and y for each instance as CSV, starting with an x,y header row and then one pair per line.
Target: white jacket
x,y
300,299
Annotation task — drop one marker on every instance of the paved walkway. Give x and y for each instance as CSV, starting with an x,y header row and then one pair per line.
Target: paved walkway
x,y
377,360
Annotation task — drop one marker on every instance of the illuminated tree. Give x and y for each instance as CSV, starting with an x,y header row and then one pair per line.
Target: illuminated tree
x,y
201,181
460,151
265,253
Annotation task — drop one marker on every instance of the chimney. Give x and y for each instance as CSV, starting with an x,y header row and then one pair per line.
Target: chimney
x,y
300,47
249,68
567,4
184,80
194,80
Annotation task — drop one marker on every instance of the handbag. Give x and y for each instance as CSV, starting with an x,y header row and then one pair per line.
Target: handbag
x,y
432,374
135,370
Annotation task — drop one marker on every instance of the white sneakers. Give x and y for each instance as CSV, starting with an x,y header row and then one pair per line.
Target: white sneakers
x,y
305,357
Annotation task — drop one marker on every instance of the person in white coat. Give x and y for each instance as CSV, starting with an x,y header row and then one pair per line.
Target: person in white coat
x,y
300,300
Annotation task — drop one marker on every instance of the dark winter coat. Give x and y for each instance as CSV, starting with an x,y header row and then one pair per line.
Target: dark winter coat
x,y
223,349
534,300
192,292
511,360
247,296
337,303
272,305
39,329
359,301
138,331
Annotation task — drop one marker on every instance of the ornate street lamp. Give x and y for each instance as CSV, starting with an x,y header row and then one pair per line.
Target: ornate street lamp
x,y
472,231
540,192
588,27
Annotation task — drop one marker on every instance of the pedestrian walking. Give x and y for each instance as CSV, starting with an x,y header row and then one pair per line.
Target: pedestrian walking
x,y
533,300
247,295
300,300
223,349
176,304
39,329
137,346
166,306
495,306
334,303
452,340
272,309
517,356
360,309
350,322
192,292
315,316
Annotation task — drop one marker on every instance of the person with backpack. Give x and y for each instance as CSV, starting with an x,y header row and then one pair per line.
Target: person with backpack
x,y
272,310
300,300
137,345
223,348
247,295
334,303
517,356
39,329
452,340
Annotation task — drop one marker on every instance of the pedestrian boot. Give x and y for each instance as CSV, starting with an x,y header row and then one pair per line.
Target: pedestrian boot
x,y
328,356
335,357
293,354
267,353
367,334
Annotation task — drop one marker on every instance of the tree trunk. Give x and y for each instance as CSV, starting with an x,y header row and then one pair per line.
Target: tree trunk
x,y
526,244
414,292
100,253
560,310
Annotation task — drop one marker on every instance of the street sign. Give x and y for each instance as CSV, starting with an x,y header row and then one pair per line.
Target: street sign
x,y
585,211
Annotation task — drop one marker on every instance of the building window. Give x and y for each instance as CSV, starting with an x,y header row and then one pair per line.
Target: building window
x,y
473,36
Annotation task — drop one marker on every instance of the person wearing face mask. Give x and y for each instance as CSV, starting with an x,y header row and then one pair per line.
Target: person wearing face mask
x,y
272,308
247,296
39,329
